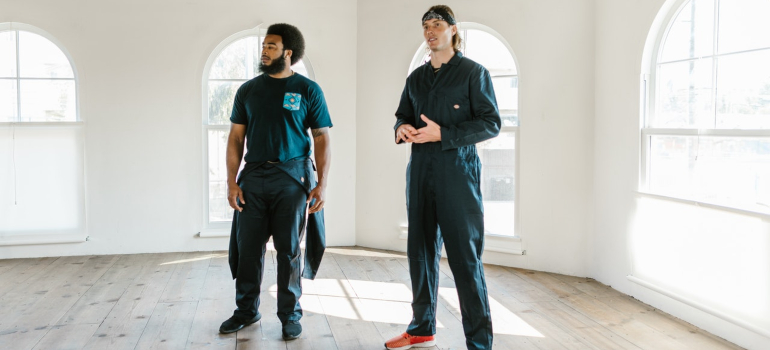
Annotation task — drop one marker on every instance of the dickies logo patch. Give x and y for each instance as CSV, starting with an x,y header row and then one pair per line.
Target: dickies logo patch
x,y
291,101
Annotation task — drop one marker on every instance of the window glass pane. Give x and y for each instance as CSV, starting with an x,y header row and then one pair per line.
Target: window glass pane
x,y
8,54
8,101
743,25
48,100
490,52
33,200
743,91
231,63
252,55
507,94
219,208
498,185
300,68
692,33
40,58
730,171
684,95
221,95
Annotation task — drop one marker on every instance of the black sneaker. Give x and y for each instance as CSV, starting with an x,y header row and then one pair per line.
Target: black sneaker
x,y
235,323
291,330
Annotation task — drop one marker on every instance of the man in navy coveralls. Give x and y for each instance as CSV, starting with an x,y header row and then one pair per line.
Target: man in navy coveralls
x,y
447,106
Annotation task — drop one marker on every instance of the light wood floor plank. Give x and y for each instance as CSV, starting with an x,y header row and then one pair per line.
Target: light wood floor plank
x,y
23,295
622,325
350,329
99,300
67,337
20,273
204,332
189,275
545,282
126,321
684,333
217,301
360,298
36,320
169,326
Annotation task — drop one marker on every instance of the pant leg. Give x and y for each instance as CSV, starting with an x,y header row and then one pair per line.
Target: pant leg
x,y
423,244
461,219
252,235
287,216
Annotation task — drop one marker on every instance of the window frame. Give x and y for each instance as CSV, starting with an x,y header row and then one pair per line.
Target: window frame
x,y
648,98
222,228
78,234
496,242
16,27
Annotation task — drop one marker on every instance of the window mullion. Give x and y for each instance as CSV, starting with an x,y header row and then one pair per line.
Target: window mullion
x,y
715,63
18,80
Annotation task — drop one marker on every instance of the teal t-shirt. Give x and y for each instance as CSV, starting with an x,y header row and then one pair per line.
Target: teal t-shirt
x,y
277,114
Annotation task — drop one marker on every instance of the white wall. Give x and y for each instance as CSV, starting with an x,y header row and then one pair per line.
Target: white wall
x,y
140,65
553,42
713,257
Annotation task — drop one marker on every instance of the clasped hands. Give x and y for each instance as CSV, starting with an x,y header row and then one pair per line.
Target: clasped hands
x,y
429,133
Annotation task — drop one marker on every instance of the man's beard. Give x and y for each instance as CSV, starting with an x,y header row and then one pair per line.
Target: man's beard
x,y
277,66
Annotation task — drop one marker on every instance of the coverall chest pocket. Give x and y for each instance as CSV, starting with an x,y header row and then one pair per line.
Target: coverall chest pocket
x,y
457,108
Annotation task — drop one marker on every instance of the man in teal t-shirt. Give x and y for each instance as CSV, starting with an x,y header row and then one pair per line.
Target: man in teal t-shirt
x,y
276,189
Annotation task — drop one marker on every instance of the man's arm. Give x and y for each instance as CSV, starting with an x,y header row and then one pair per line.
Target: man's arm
x,y
234,156
323,157
405,118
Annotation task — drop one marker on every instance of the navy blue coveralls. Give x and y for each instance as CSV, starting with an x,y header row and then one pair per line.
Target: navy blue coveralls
x,y
276,181
443,194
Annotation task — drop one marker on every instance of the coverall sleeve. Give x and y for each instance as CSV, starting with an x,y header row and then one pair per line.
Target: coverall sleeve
x,y
405,111
485,117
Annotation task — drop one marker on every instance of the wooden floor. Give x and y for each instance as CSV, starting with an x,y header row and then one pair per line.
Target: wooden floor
x,y
359,299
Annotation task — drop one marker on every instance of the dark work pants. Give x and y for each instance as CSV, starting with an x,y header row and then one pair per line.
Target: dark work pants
x,y
275,206
444,206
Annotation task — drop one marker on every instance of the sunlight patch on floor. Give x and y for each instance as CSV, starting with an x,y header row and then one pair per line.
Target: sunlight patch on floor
x,y
503,320
387,302
202,257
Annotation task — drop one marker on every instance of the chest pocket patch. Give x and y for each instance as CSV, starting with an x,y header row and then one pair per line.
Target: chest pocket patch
x,y
291,101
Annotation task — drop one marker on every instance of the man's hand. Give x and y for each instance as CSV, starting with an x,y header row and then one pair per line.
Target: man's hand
x,y
319,194
405,133
429,133
234,193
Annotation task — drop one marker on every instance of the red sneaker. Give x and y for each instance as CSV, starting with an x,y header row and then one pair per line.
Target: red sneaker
x,y
407,341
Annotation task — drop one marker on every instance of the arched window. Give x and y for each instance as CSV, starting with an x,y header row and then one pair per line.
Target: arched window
x,y
234,62
706,115
41,138
499,156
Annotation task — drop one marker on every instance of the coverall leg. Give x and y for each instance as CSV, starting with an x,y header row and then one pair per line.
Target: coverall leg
x,y
444,191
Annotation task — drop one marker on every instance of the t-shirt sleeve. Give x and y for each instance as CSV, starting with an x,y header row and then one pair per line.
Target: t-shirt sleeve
x,y
317,112
238,116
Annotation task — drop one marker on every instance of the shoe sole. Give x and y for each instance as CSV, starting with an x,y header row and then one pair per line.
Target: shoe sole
x,y
241,327
425,344
291,338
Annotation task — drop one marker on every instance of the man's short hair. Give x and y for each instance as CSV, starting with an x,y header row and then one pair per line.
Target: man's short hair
x,y
292,39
